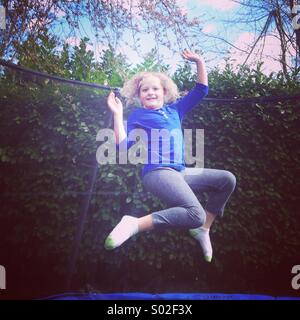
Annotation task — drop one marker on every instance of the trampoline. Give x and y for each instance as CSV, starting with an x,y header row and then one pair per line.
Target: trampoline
x,y
164,296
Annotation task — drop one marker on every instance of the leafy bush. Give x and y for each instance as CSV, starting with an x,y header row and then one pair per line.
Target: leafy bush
x,y
47,154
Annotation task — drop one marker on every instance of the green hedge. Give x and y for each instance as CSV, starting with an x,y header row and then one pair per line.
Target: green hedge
x,y
48,145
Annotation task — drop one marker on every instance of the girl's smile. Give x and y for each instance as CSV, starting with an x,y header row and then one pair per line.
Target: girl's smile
x,y
151,93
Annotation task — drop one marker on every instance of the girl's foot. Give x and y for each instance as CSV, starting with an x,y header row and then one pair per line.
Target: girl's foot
x,y
202,236
126,228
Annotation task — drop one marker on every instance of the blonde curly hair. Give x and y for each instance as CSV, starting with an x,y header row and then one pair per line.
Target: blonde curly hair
x,y
131,88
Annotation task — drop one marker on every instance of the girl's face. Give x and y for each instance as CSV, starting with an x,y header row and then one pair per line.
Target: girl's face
x,y
151,93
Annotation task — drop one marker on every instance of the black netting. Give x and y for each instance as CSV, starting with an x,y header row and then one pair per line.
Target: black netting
x,y
58,204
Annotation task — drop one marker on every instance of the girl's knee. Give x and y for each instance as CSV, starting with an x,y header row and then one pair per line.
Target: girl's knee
x,y
197,215
230,180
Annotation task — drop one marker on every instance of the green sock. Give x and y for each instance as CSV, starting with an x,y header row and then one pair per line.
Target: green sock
x,y
202,236
126,228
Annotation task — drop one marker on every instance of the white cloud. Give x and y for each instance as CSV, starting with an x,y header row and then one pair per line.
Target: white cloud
x,y
131,54
97,48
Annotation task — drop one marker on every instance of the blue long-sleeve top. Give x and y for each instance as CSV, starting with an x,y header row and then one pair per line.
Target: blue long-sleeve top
x,y
169,117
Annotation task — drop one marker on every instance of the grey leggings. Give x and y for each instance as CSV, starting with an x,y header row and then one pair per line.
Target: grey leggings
x,y
175,189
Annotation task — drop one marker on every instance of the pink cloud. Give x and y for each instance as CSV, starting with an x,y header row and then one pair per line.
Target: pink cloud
x,y
209,28
266,50
73,41
58,12
96,48
223,5
36,24
128,5
182,4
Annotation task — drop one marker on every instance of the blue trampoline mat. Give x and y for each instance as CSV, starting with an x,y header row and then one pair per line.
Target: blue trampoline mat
x,y
164,296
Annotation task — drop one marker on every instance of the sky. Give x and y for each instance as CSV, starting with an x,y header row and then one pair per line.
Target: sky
x,y
213,15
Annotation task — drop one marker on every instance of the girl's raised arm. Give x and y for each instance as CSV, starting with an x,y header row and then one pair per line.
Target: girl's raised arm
x,y
201,69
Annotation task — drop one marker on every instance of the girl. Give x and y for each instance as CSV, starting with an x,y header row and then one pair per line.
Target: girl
x,y
170,181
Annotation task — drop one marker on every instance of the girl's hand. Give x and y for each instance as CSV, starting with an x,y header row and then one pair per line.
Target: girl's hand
x,y
114,104
191,56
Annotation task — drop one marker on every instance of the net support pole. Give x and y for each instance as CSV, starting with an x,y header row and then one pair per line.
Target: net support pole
x,y
82,218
